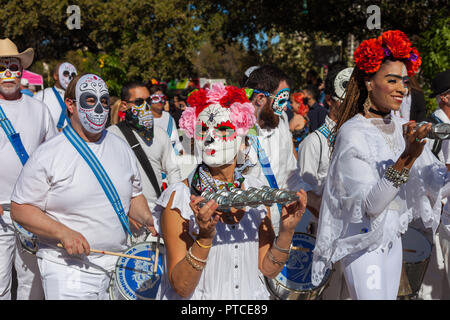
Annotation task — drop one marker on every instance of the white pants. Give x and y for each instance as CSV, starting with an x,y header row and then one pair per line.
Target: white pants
x,y
444,240
63,282
374,275
25,264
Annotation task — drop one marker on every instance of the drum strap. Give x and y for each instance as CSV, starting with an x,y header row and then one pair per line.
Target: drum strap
x,y
99,172
13,137
62,116
140,154
265,164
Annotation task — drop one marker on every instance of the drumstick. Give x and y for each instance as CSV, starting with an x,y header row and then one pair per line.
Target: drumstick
x,y
299,249
155,264
409,250
115,254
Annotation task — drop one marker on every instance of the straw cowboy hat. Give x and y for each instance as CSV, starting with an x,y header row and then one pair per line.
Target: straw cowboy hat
x,y
9,49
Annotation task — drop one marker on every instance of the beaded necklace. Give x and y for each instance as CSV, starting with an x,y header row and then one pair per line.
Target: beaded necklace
x,y
203,180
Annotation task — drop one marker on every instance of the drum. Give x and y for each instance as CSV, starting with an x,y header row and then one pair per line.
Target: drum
x,y
135,279
28,240
294,281
416,256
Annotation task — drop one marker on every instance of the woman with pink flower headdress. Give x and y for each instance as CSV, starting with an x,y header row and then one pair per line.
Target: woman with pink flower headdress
x,y
212,254
381,174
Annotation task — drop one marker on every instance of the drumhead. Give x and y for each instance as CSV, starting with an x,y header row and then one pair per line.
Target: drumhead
x,y
296,274
135,278
416,247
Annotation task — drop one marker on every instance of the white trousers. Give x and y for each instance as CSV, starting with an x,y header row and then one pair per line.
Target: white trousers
x,y
63,282
25,264
374,275
444,240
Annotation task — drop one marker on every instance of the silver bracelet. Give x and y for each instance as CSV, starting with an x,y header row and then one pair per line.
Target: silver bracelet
x,y
272,258
194,257
397,177
281,249
192,263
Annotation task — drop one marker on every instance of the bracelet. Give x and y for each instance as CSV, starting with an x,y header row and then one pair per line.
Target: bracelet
x,y
202,245
272,258
397,177
194,257
280,249
192,263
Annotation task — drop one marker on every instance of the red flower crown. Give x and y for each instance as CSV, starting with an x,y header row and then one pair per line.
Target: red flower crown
x,y
371,53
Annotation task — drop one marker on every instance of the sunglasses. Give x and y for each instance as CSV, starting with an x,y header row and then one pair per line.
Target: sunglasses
x,y
13,67
156,98
68,74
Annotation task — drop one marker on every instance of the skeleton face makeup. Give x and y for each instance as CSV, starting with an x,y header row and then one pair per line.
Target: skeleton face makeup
x,y
216,138
13,67
92,98
280,101
66,73
143,113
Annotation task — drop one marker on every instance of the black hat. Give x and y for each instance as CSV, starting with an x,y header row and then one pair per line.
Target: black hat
x,y
441,83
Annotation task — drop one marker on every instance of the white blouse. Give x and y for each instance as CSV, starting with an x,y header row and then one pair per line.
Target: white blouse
x,y
231,272
364,149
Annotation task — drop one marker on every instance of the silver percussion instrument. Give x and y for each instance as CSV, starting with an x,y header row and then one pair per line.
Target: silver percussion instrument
x,y
135,279
29,241
416,256
294,281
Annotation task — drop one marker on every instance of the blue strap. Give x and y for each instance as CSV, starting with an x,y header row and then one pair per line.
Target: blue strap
x,y
326,132
62,116
265,164
13,137
99,172
169,132
436,118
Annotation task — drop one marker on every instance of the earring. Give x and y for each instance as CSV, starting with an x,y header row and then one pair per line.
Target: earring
x,y
367,104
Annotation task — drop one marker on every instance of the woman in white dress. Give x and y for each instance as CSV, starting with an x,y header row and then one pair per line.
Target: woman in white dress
x,y
381,175
212,254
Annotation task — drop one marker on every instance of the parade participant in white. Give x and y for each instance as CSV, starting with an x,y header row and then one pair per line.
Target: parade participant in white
x,y
153,140
54,97
380,176
199,240
163,119
31,119
59,198
313,162
268,92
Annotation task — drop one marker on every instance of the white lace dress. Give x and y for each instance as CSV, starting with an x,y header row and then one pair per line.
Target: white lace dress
x,y
231,272
364,149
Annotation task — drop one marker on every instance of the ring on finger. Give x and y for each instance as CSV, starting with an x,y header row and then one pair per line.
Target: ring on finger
x,y
418,140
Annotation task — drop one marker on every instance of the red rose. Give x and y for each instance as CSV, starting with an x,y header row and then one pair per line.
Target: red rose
x,y
369,55
198,100
233,95
397,42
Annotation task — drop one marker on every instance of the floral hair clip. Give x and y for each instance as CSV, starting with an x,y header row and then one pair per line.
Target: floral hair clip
x,y
242,112
371,53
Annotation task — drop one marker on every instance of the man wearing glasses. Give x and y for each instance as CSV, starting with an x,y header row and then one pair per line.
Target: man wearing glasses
x,y
152,145
53,97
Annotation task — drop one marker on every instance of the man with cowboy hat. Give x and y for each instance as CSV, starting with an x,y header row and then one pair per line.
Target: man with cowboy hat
x,y
25,124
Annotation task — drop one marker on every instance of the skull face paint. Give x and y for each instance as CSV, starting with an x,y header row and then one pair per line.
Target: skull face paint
x,y
216,138
14,67
280,101
144,114
66,73
92,99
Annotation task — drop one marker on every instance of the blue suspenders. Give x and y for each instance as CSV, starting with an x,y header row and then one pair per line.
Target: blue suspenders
x,y
99,172
13,137
62,116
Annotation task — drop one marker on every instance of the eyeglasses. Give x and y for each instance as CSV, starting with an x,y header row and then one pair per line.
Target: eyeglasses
x,y
69,75
155,98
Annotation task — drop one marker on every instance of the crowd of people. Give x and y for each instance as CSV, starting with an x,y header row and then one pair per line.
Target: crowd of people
x,y
87,176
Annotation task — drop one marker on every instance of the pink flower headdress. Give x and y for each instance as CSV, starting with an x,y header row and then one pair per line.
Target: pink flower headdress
x,y
242,112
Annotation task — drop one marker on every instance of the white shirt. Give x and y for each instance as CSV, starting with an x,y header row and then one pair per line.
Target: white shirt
x,y
162,159
231,272
57,180
48,97
313,160
364,149
32,120
163,123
